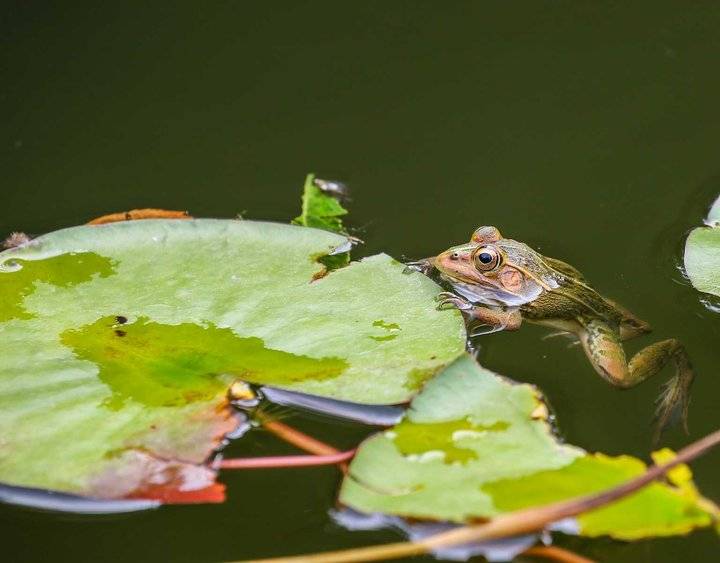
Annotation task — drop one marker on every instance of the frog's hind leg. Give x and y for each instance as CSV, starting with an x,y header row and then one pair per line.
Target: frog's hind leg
x,y
605,352
631,326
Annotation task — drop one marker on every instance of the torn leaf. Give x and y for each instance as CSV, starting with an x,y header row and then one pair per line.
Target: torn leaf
x,y
320,208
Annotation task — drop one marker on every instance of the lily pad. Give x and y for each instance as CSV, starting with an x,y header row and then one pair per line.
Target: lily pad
x,y
474,445
119,343
702,254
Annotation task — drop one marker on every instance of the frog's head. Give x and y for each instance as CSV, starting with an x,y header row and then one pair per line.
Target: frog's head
x,y
494,270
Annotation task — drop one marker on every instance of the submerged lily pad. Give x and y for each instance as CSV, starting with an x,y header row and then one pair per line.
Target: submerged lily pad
x,y
474,445
119,342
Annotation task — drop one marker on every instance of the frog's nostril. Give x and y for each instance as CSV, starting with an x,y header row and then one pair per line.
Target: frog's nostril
x,y
454,256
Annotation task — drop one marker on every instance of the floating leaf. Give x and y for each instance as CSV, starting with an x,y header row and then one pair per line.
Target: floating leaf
x,y
474,445
702,254
319,209
119,343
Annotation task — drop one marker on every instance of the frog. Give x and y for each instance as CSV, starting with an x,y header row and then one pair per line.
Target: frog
x,y
501,283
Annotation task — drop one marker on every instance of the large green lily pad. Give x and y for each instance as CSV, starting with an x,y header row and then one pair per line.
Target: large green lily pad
x,y
702,253
119,342
475,445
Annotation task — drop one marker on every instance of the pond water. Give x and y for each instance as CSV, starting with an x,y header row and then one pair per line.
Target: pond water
x,y
588,130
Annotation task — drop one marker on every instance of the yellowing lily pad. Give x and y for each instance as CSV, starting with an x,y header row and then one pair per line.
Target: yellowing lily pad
x,y
474,445
119,343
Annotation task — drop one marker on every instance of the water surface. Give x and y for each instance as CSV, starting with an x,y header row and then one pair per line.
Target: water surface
x,y
589,130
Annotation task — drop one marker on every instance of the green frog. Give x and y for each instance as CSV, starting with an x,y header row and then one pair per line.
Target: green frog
x,y
500,282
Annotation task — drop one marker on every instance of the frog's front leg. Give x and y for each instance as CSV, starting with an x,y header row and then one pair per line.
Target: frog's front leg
x,y
497,318
603,348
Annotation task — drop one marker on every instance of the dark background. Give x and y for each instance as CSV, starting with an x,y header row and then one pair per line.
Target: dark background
x,y
588,129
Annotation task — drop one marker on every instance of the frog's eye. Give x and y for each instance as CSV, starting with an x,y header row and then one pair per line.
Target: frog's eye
x,y
486,258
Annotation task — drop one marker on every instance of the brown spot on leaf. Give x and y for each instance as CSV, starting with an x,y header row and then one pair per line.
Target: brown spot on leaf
x,y
160,465
319,274
137,473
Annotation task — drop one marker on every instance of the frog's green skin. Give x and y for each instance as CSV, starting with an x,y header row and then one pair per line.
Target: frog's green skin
x,y
501,282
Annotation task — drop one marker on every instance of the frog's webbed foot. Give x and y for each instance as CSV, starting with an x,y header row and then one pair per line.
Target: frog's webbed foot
x,y
672,404
604,350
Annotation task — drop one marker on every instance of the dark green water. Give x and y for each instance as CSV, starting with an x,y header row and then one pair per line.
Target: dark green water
x,y
589,130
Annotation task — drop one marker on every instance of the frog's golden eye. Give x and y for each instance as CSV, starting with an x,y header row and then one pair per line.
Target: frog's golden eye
x,y
486,258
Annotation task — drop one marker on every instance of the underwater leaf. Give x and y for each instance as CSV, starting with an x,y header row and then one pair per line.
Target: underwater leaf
x,y
702,253
474,445
320,209
119,343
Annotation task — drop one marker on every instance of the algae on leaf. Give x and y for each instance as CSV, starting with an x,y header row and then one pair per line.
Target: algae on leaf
x,y
474,445
62,271
119,343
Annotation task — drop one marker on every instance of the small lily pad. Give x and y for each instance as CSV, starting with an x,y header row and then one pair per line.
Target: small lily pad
x,y
702,254
119,343
474,445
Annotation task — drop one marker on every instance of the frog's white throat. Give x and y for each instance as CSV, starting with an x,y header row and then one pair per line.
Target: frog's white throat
x,y
495,297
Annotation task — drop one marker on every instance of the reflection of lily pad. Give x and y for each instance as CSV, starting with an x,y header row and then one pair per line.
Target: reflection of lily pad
x,y
118,344
474,445
713,217
702,253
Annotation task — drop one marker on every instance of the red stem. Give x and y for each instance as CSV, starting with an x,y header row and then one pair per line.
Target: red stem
x,y
285,461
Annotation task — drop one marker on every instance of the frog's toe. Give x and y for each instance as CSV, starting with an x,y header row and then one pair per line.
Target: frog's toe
x,y
445,304
672,404
451,301
423,266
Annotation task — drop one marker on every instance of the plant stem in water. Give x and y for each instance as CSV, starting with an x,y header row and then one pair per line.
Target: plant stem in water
x,y
285,461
